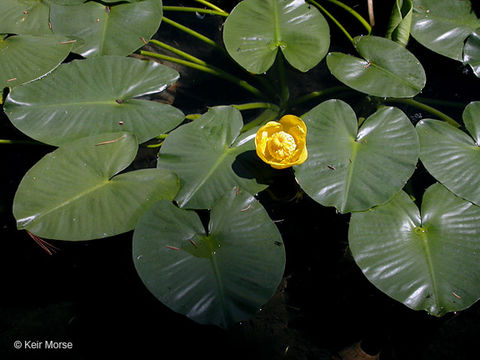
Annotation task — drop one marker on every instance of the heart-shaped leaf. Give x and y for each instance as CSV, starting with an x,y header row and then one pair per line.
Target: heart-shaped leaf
x,y
443,26
355,170
27,17
385,69
471,52
428,260
101,100
220,276
451,156
107,30
256,29
74,193
400,22
16,65
210,157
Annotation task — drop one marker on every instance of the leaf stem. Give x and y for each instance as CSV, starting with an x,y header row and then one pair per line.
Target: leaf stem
x,y
340,26
207,69
321,93
427,108
20,142
211,6
194,9
178,52
256,105
355,14
193,33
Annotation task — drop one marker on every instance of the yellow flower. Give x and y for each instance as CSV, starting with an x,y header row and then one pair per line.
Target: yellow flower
x,y
282,144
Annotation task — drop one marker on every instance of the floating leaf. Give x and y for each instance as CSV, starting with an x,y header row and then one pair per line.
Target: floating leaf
x,y
387,68
354,169
471,52
443,26
210,157
75,192
451,156
256,29
94,96
220,276
108,30
428,260
400,22
16,65
27,17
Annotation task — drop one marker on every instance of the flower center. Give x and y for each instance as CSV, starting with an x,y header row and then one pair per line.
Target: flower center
x,y
281,145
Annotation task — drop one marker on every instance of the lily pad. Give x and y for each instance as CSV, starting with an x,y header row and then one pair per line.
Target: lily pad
x,y
16,65
427,260
92,96
256,29
119,29
26,17
386,68
352,169
443,26
471,52
211,156
452,156
77,193
219,276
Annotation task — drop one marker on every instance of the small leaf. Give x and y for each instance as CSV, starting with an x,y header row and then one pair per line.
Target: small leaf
x,y
387,68
210,157
400,22
451,156
76,193
255,30
104,99
443,26
471,52
220,276
428,260
352,169
113,30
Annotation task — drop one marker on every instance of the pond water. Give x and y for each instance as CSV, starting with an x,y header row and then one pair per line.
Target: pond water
x,y
89,294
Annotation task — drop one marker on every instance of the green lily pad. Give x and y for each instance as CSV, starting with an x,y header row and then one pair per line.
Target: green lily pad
x,y
400,22
26,17
386,68
211,156
451,156
76,193
427,260
443,26
352,169
256,29
16,65
219,276
92,96
471,52
107,30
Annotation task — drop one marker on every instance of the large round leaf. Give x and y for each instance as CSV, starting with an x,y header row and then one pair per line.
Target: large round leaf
x,y
443,26
220,276
210,157
256,29
74,193
385,69
16,65
428,261
28,17
452,156
91,96
107,30
355,170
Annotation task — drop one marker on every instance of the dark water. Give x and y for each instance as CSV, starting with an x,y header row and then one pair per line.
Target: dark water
x,y
89,294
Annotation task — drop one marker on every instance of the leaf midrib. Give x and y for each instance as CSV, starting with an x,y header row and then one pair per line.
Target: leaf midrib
x,y
431,271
